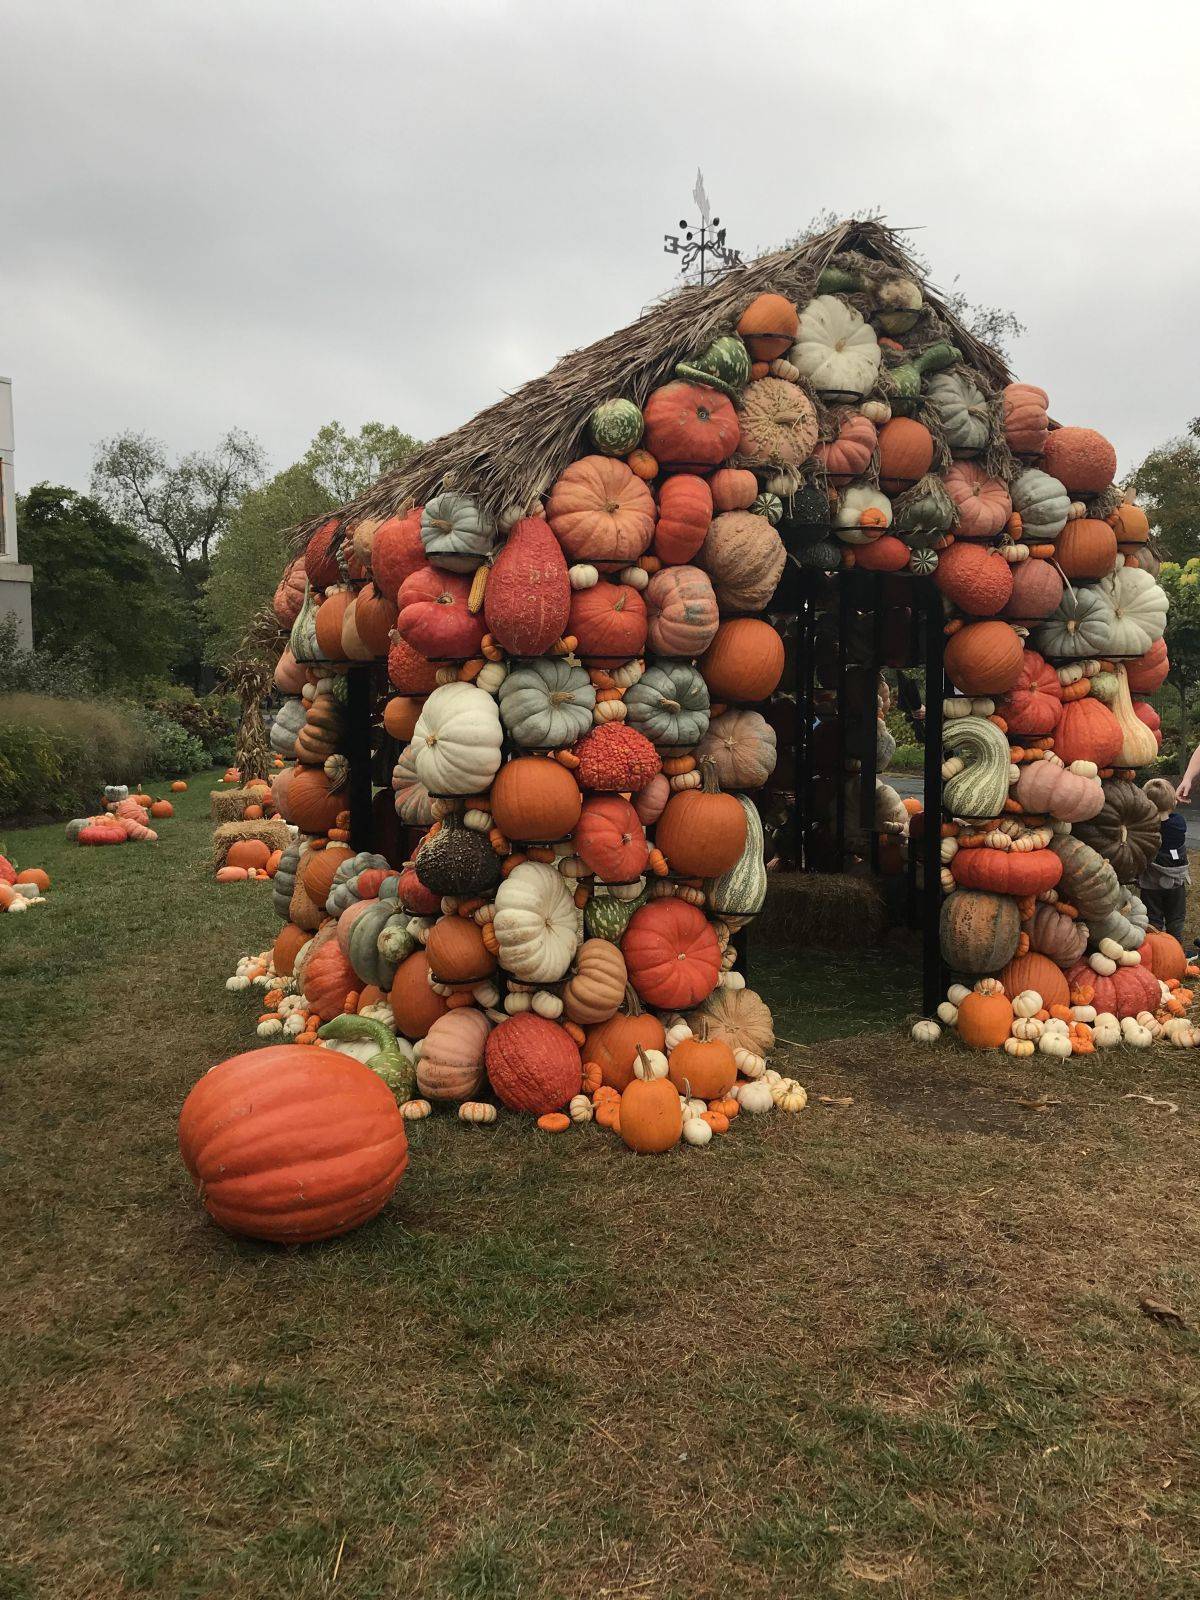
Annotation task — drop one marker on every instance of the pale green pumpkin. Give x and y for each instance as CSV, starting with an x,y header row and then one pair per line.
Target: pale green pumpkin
x,y
370,964
343,891
961,407
283,884
1042,503
286,724
456,533
669,704
547,704
303,637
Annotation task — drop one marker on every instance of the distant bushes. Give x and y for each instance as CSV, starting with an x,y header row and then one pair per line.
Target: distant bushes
x,y
56,754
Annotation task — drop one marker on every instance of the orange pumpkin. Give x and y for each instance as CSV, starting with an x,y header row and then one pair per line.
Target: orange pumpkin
x,y
415,1006
1026,423
651,1119
689,426
400,716
331,614
985,1020
701,832
744,662
328,979
601,513
685,509
1164,955
1086,548
535,799
178,786
682,614
768,326
984,658
317,869
35,876
289,942
306,797
456,952
608,623
671,953
613,1045
368,624
849,455
1039,973
702,1067
905,453
733,489
247,853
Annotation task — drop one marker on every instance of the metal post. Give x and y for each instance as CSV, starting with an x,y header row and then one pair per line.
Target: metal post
x,y
933,968
358,754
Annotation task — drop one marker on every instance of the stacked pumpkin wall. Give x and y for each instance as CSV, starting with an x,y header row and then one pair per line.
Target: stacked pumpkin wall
x,y
579,681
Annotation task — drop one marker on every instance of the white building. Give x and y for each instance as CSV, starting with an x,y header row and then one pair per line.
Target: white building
x,y
15,578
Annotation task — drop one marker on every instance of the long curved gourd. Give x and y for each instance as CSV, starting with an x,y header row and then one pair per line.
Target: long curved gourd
x,y
1139,746
738,895
394,1065
981,787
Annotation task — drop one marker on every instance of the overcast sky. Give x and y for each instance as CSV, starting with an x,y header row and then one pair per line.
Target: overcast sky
x,y
276,212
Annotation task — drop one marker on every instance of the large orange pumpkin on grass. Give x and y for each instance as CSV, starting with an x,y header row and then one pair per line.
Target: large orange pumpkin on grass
x,y
533,1064
292,1144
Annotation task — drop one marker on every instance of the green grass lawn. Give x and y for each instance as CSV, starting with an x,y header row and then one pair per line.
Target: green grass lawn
x,y
885,1348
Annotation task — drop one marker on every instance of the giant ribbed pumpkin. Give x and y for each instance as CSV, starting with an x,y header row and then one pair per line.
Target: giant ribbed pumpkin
x,y
1039,974
672,953
689,427
601,513
535,800
983,658
533,1064
1080,458
744,662
1126,992
528,595
292,1144
608,622
976,579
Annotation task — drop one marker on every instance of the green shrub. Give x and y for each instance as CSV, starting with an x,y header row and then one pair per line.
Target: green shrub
x,y
210,719
908,758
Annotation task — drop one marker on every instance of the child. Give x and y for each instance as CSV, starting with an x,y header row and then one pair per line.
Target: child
x,y
1164,883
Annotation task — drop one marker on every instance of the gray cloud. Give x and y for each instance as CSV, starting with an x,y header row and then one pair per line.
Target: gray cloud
x,y
276,213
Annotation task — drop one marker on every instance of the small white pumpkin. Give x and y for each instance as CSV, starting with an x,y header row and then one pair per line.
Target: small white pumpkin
x,y
583,575
755,1098
1106,1031
926,1031
1027,1004
415,1110
697,1133
1019,1047
477,1111
1055,1044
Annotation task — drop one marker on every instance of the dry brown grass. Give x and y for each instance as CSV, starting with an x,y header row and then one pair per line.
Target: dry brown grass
x,y
885,1348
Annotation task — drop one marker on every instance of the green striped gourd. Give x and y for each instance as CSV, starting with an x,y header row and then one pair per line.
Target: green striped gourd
x,y
738,895
981,788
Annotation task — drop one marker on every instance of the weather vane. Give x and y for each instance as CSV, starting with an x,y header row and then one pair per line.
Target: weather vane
x,y
710,240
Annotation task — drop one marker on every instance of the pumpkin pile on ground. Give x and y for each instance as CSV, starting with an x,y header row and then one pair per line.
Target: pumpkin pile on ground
x,y
124,820
581,656
21,887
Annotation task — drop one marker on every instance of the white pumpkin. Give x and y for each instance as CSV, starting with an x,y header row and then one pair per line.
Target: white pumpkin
x,y
852,503
697,1133
835,349
456,743
1055,1044
1106,1031
1027,1004
537,923
1139,611
926,1031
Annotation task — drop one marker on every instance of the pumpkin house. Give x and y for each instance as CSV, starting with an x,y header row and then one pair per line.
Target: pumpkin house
x,y
560,686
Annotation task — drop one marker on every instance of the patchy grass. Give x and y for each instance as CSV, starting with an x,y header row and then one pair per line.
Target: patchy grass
x,y
886,1348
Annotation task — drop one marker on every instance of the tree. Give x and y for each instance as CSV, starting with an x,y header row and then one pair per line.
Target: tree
x,y
345,464
1182,585
98,589
182,507
247,563
1167,484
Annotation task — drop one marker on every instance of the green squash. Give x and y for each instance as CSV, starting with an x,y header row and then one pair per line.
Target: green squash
x,y
367,958
392,1062
770,506
725,365
615,427
547,704
456,533
822,556
1088,882
606,917
923,561
979,932
906,398
962,409
669,704
303,637
738,895
924,509
283,884
981,788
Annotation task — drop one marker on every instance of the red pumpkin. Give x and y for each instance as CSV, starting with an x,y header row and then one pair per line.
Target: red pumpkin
x,y
768,326
885,554
615,759
409,670
1031,708
849,455
1037,588
984,658
1147,714
397,551
433,616
672,954
1149,671
1124,993
1080,458
681,611
685,509
733,489
412,894
320,564
608,622
532,1064
528,596
689,427
292,1144
328,979
905,453
610,840
977,580
1014,872
1086,730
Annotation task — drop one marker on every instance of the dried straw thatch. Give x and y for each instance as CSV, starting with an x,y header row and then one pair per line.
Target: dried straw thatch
x,y
514,450
251,675
273,833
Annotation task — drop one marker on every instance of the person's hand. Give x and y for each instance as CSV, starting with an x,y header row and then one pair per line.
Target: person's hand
x,y
1184,792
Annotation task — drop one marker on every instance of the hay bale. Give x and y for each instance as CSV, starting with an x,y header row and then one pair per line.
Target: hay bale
x,y
821,911
229,805
273,833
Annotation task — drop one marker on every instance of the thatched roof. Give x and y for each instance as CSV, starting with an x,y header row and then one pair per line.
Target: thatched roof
x,y
513,451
